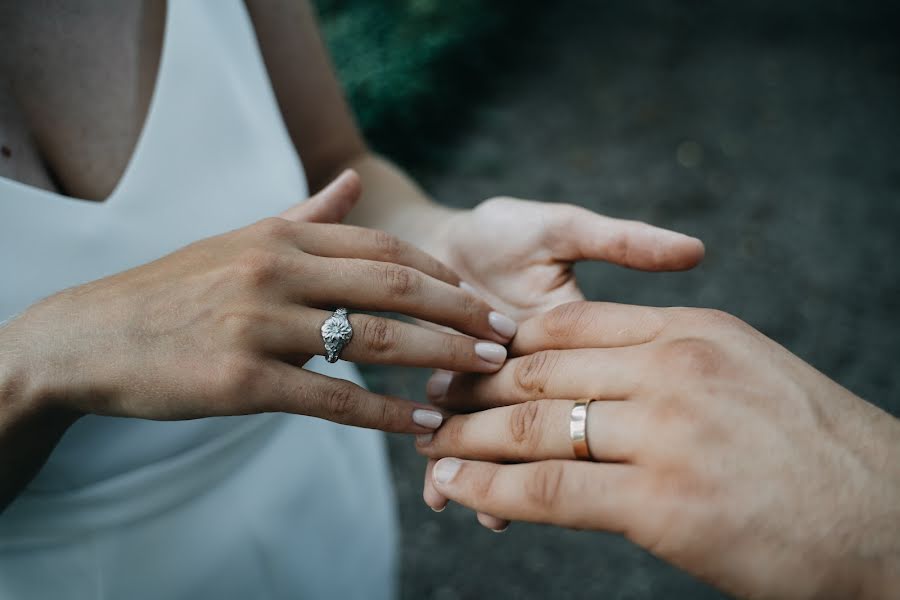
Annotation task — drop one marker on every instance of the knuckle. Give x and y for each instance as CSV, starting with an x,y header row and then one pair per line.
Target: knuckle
x,y
387,415
532,372
544,488
525,425
471,307
456,353
380,336
239,326
275,228
692,356
240,376
620,249
340,402
257,268
453,433
565,320
388,247
485,487
400,281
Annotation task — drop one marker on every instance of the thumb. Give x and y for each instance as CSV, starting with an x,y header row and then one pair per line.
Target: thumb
x,y
331,204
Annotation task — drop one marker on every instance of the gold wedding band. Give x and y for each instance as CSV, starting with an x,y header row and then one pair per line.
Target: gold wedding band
x,y
578,429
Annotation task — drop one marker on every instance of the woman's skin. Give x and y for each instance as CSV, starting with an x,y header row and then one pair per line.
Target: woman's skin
x,y
71,109
716,449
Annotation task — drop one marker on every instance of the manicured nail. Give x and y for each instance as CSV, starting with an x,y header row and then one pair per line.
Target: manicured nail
x,y
423,439
491,352
502,324
437,386
445,470
427,418
441,509
500,530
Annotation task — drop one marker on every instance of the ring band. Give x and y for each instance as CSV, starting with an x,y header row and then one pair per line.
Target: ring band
x,y
336,333
578,429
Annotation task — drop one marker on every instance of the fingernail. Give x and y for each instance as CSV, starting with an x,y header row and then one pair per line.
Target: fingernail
x,y
502,324
500,530
427,418
441,509
491,352
423,439
437,386
445,470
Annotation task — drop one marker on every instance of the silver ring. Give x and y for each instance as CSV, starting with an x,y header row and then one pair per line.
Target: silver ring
x,y
336,333
578,429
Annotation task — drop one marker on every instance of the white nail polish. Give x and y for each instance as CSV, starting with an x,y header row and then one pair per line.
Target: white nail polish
x,y
491,352
445,470
502,324
427,418
423,439
437,386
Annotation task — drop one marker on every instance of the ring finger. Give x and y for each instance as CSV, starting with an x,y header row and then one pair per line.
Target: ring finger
x,y
538,430
388,287
378,340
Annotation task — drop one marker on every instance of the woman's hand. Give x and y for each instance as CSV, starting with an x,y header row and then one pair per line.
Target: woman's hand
x,y
518,254
223,326
716,449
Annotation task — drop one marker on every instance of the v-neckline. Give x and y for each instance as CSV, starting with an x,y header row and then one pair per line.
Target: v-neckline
x,y
44,195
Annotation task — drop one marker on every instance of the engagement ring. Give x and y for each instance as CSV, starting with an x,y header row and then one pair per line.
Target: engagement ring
x,y
336,333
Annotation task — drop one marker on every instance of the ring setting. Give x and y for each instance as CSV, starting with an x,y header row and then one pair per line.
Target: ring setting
x,y
578,429
336,333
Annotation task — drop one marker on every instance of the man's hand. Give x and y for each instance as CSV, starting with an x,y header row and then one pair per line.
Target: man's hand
x,y
518,254
715,448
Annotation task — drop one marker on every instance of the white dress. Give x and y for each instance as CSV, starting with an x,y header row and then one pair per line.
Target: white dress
x,y
266,506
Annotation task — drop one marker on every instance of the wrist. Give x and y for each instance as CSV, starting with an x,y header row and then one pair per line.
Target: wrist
x,y
24,394
430,229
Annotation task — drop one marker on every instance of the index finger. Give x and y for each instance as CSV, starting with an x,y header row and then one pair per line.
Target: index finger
x,y
590,325
335,240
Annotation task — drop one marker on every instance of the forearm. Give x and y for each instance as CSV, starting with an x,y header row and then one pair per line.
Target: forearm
x,y
393,202
28,429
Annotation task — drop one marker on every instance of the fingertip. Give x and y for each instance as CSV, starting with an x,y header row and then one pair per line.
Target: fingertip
x,y
700,250
493,523
438,384
433,499
348,184
690,253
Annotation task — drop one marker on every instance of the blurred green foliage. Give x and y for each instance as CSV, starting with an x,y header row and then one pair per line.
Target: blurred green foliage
x,y
404,62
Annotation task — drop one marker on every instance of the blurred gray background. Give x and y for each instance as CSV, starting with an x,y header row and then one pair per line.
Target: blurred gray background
x,y
768,129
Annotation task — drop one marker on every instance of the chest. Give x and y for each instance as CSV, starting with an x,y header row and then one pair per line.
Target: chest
x,y
83,76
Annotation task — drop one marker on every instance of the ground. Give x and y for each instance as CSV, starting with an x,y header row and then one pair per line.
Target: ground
x,y
771,131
